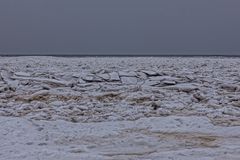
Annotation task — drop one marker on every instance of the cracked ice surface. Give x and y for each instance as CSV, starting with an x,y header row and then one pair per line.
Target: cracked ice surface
x,y
119,108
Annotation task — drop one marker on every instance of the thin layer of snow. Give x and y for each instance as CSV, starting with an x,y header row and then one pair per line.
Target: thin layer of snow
x,y
173,137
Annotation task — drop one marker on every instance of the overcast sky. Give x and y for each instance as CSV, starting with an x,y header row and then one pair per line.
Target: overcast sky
x,y
119,26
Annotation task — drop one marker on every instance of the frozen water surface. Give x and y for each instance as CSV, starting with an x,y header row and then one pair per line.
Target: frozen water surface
x,y
146,108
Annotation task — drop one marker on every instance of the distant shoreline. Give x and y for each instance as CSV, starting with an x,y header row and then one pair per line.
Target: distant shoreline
x,y
102,55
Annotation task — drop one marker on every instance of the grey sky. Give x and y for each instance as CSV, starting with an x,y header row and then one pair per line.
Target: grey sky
x,y
119,26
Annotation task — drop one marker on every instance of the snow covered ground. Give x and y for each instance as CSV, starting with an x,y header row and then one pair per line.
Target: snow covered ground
x,y
113,108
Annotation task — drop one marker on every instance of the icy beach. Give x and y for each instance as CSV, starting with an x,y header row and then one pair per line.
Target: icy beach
x,y
119,108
